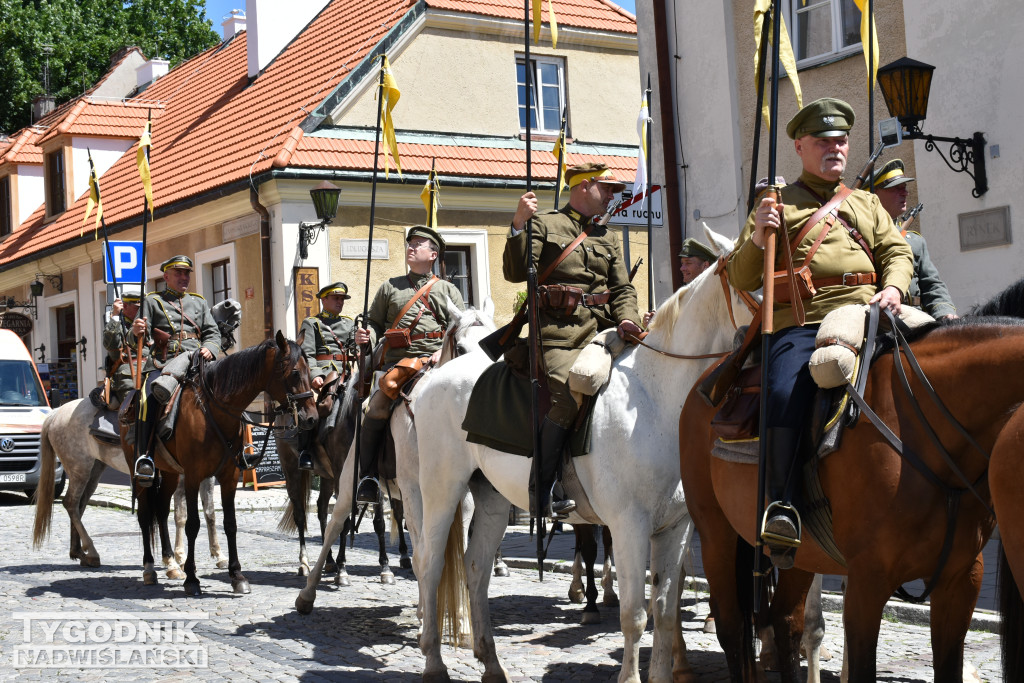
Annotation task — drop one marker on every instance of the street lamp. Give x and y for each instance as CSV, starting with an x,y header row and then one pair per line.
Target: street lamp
x,y
905,85
325,203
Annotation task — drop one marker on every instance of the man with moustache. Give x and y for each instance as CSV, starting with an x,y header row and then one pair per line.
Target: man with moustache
x,y
861,258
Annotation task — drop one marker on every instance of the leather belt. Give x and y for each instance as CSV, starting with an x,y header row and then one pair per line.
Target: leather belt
x,y
597,299
847,279
331,356
181,336
428,335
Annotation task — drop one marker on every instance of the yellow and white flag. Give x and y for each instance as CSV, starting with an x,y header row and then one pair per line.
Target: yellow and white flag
x,y
94,201
390,93
142,161
431,191
865,32
762,8
552,21
559,153
640,184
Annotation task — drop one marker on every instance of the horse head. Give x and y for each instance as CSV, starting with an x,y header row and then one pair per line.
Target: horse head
x,y
289,385
467,329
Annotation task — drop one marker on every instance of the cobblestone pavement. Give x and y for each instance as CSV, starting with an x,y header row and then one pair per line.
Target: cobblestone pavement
x,y
366,632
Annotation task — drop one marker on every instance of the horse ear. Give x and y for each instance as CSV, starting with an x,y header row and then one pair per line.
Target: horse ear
x,y
720,244
282,342
488,308
302,336
454,312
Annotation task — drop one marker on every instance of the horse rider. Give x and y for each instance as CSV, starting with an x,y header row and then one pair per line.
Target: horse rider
x,y
927,290
588,291
325,338
178,323
694,259
409,315
121,355
861,259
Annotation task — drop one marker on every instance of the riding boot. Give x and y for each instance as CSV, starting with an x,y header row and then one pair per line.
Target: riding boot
x,y
781,528
145,469
552,441
371,441
306,450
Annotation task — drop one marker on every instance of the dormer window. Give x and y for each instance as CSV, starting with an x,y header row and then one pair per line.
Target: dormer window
x,y
6,206
55,183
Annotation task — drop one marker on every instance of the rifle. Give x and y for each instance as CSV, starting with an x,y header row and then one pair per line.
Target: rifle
x,y
868,167
635,268
903,221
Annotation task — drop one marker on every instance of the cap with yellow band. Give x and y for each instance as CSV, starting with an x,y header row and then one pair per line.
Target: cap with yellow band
x,y
594,173
893,174
334,288
179,261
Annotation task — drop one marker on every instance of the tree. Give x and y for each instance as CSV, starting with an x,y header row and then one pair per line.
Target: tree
x,y
81,37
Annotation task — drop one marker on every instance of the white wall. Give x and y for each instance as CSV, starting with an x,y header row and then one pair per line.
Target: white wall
x,y
31,192
978,85
105,153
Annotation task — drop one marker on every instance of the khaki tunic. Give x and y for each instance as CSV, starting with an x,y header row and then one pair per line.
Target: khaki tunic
x,y
121,375
391,298
839,253
326,334
173,312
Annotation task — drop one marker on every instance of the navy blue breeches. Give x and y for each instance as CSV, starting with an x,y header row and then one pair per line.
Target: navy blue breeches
x,y
790,386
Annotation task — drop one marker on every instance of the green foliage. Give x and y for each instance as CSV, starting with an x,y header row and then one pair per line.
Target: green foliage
x,y
520,298
84,35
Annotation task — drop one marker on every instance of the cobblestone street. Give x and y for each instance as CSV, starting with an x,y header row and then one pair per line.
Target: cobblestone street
x,y
366,632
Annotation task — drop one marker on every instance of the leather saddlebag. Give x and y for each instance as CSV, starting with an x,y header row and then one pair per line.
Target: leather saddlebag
x,y
737,419
395,378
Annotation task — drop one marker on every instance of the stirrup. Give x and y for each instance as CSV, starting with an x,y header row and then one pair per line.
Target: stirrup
x,y
247,457
788,510
145,471
361,494
306,461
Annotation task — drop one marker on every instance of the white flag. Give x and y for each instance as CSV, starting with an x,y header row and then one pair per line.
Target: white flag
x,y
640,184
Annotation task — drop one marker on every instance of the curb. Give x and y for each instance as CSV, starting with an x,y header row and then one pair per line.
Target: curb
x,y
895,610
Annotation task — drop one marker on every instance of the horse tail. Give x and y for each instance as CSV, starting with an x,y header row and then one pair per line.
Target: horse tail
x,y
1011,613
287,523
452,590
44,490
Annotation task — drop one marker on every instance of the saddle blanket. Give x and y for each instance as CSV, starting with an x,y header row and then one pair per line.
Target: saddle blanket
x,y
104,427
498,415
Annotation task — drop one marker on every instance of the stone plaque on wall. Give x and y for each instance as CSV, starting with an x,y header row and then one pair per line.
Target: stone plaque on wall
x,y
356,249
988,228
240,227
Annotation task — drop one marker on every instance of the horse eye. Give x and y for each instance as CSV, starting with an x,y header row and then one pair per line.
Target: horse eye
x,y
295,376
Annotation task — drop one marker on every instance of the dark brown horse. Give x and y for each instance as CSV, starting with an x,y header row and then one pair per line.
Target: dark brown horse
x,y
208,439
889,517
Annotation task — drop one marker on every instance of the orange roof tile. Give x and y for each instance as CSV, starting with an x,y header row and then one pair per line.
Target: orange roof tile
x,y
104,118
590,14
22,148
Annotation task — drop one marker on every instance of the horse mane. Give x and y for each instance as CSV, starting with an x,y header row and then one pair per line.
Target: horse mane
x,y
1009,302
668,313
233,374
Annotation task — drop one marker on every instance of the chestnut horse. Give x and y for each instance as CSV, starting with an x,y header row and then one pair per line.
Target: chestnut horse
x,y
889,517
208,440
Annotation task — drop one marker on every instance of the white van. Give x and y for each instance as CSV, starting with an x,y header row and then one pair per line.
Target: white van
x,y
23,407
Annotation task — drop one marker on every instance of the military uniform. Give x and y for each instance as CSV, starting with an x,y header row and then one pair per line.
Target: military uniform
x,y
927,290
121,381
327,335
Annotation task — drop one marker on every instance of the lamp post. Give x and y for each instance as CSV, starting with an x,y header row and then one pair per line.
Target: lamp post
x,y
905,85
325,203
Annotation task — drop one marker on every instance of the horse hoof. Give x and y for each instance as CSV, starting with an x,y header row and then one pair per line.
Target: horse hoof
x,y
175,574
436,677
241,586
496,677
709,625
302,605
342,580
149,577
89,561
330,567
222,564
406,563
501,571
303,570
387,578
590,618
611,601
192,588
576,597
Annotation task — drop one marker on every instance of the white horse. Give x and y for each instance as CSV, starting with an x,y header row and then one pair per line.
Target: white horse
x,y
65,436
631,478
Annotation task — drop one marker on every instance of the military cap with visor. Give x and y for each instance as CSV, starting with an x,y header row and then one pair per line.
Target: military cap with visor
x,y
695,249
824,118
429,233
893,174
180,261
594,172
131,293
334,288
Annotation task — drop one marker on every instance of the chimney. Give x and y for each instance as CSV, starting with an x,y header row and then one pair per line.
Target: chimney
x,y
150,71
271,25
233,23
41,106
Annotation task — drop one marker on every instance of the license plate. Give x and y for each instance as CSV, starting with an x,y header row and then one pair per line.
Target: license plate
x,y
12,478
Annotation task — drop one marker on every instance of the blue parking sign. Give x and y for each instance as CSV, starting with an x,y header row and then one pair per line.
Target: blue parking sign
x,y
127,262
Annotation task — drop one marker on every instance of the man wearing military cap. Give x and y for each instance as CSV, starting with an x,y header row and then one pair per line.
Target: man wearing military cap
x,y
861,259
409,316
927,290
326,337
694,259
121,356
176,323
597,279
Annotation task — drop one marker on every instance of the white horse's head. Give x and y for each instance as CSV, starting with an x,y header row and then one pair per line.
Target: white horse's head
x,y
467,329
703,315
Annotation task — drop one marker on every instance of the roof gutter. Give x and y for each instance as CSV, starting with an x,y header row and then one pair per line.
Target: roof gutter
x,y
268,299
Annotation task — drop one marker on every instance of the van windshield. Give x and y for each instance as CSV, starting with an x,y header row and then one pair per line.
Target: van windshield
x,y
19,384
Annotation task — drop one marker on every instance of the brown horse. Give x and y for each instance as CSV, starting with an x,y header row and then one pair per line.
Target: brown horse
x,y
889,517
208,440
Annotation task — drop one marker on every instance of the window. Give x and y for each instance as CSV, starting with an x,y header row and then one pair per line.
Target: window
x,y
459,268
548,88
55,182
221,288
6,205
823,29
466,263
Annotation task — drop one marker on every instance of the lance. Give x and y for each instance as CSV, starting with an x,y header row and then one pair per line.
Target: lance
x,y
561,159
431,180
651,302
145,230
762,55
871,85
767,318
533,324
365,353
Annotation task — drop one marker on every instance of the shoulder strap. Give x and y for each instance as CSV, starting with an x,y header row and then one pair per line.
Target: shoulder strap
x,y
833,204
415,297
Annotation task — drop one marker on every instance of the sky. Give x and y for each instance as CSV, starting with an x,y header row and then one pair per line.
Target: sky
x,y
216,10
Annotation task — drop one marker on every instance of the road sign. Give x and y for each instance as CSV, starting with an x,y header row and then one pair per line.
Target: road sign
x,y
632,213
127,259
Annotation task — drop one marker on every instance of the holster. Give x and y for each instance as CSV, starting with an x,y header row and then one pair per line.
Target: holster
x,y
160,340
395,378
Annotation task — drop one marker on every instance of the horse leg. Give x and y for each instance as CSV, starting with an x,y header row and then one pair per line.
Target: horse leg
x,y
210,513
191,531
952,607
866,595
147,504
228,479
500,568
323,508
587,549
576,593
180,517
387,577
168,495
787,618
726,557
668,652
607,583
633,609
335,528
814,631
398,509
75,501
490,519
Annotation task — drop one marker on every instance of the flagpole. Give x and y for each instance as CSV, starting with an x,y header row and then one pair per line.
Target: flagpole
x,y
365,352
145,229
561,159
651,302
762,56
430,182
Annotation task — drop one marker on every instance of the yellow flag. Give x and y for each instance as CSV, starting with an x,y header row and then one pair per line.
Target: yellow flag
x,y
142,161
390,94
761,9
559,152
431,188
551,20
864,39
94,200
640,182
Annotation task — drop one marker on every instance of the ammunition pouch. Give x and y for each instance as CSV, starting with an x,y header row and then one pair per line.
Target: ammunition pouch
x,y
397,338
804,284
559,298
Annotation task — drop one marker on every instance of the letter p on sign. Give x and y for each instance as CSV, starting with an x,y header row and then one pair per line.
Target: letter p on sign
x,y
126,259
